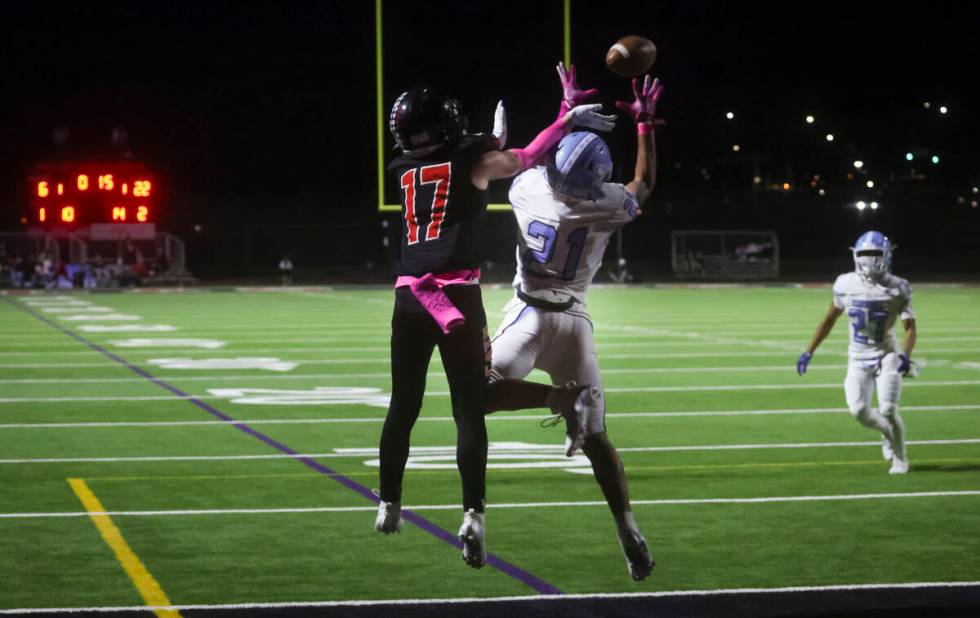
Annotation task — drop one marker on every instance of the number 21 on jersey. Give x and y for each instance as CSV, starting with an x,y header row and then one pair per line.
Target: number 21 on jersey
x,y
548,234
439,175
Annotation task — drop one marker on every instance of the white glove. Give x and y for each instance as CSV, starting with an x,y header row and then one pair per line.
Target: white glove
x,y
589,116
500,124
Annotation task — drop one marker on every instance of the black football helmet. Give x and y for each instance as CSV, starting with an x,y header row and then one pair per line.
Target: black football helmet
x,y
422,120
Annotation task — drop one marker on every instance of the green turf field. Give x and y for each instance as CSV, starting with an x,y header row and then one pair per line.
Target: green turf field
x,y
743,474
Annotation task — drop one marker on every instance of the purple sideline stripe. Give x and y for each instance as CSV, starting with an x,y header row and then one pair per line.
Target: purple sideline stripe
x,y
535,583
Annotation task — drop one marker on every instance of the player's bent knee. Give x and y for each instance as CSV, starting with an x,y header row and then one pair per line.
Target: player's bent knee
x,y
889,408
861,413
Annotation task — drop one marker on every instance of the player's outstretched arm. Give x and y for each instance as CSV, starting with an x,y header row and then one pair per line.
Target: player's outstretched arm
x,y
823,329
572,112
643,111
506,163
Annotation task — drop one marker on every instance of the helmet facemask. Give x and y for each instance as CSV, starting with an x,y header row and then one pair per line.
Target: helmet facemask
x,y
872,255
870,263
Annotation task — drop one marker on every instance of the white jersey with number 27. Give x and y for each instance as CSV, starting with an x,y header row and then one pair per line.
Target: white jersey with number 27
x,y
872,307
561,242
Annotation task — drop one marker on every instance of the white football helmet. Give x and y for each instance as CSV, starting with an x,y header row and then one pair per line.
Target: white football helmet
x,y
872,255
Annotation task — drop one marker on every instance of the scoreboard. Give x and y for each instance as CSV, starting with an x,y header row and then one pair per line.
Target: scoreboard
x,y
69,194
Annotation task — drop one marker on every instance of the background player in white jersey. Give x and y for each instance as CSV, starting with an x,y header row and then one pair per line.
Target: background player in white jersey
x,y
566,212
873,299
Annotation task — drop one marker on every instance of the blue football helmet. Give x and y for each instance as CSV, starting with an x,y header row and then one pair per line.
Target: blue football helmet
x,y
872,255
580,165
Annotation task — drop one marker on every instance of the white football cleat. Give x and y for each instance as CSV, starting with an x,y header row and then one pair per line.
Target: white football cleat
x,y
886,448
899,466
473,536
389,519
638,558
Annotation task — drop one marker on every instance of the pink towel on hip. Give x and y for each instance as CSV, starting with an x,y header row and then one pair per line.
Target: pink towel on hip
x,y
428,290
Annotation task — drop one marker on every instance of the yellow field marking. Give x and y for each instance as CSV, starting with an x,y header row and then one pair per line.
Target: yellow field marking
x,y
145,583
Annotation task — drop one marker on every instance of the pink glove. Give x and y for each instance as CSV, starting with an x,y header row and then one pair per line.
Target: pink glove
x,y
643,109
571,95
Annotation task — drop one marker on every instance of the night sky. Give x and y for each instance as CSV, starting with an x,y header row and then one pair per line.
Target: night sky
x,y
256,98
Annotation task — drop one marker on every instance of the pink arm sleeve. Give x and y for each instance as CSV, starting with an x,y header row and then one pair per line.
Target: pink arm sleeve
x,y
537,148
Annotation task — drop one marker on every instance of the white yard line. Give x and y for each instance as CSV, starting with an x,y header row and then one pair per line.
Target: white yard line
x,y
289,605
789,344
627,389
386,375
448,419
437,374
210,354
371,453
504,505
133,353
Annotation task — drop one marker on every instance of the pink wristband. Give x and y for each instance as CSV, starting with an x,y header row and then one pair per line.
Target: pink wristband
x,y
644,128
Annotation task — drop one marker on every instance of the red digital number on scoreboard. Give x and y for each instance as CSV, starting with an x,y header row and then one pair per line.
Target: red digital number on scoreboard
x,y
65,194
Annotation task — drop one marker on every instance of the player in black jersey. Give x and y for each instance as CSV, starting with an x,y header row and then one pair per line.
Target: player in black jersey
x,y
443,173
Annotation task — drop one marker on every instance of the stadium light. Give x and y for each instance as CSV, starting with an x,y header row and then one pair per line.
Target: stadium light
x,y
810,119
821,192
870,184
757,180
861,205
935,159
736,147
976,190
909,156
830,137
729,115
858,164
943,109
874,205
927,104
787,186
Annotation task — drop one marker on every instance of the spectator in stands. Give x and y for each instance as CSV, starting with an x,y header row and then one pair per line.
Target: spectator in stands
x,y
286,270
161,263
17,272
103,274
29,274
60,277
130,254
89,279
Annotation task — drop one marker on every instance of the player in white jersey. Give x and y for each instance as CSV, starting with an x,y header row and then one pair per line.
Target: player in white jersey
x,y
873,299
566,212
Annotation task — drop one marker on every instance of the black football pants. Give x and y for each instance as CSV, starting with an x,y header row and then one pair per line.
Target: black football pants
x,y
465,356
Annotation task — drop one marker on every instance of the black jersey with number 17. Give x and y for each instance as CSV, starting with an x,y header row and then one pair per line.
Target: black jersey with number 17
x,y
441,208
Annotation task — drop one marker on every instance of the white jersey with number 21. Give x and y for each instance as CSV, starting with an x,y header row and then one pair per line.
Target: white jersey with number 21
x,y
560,246
872,307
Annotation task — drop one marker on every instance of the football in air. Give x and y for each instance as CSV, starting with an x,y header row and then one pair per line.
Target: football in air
x,y
631,56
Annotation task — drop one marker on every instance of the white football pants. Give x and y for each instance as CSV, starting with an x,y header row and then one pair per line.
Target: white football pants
x,y
863,378
557,342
